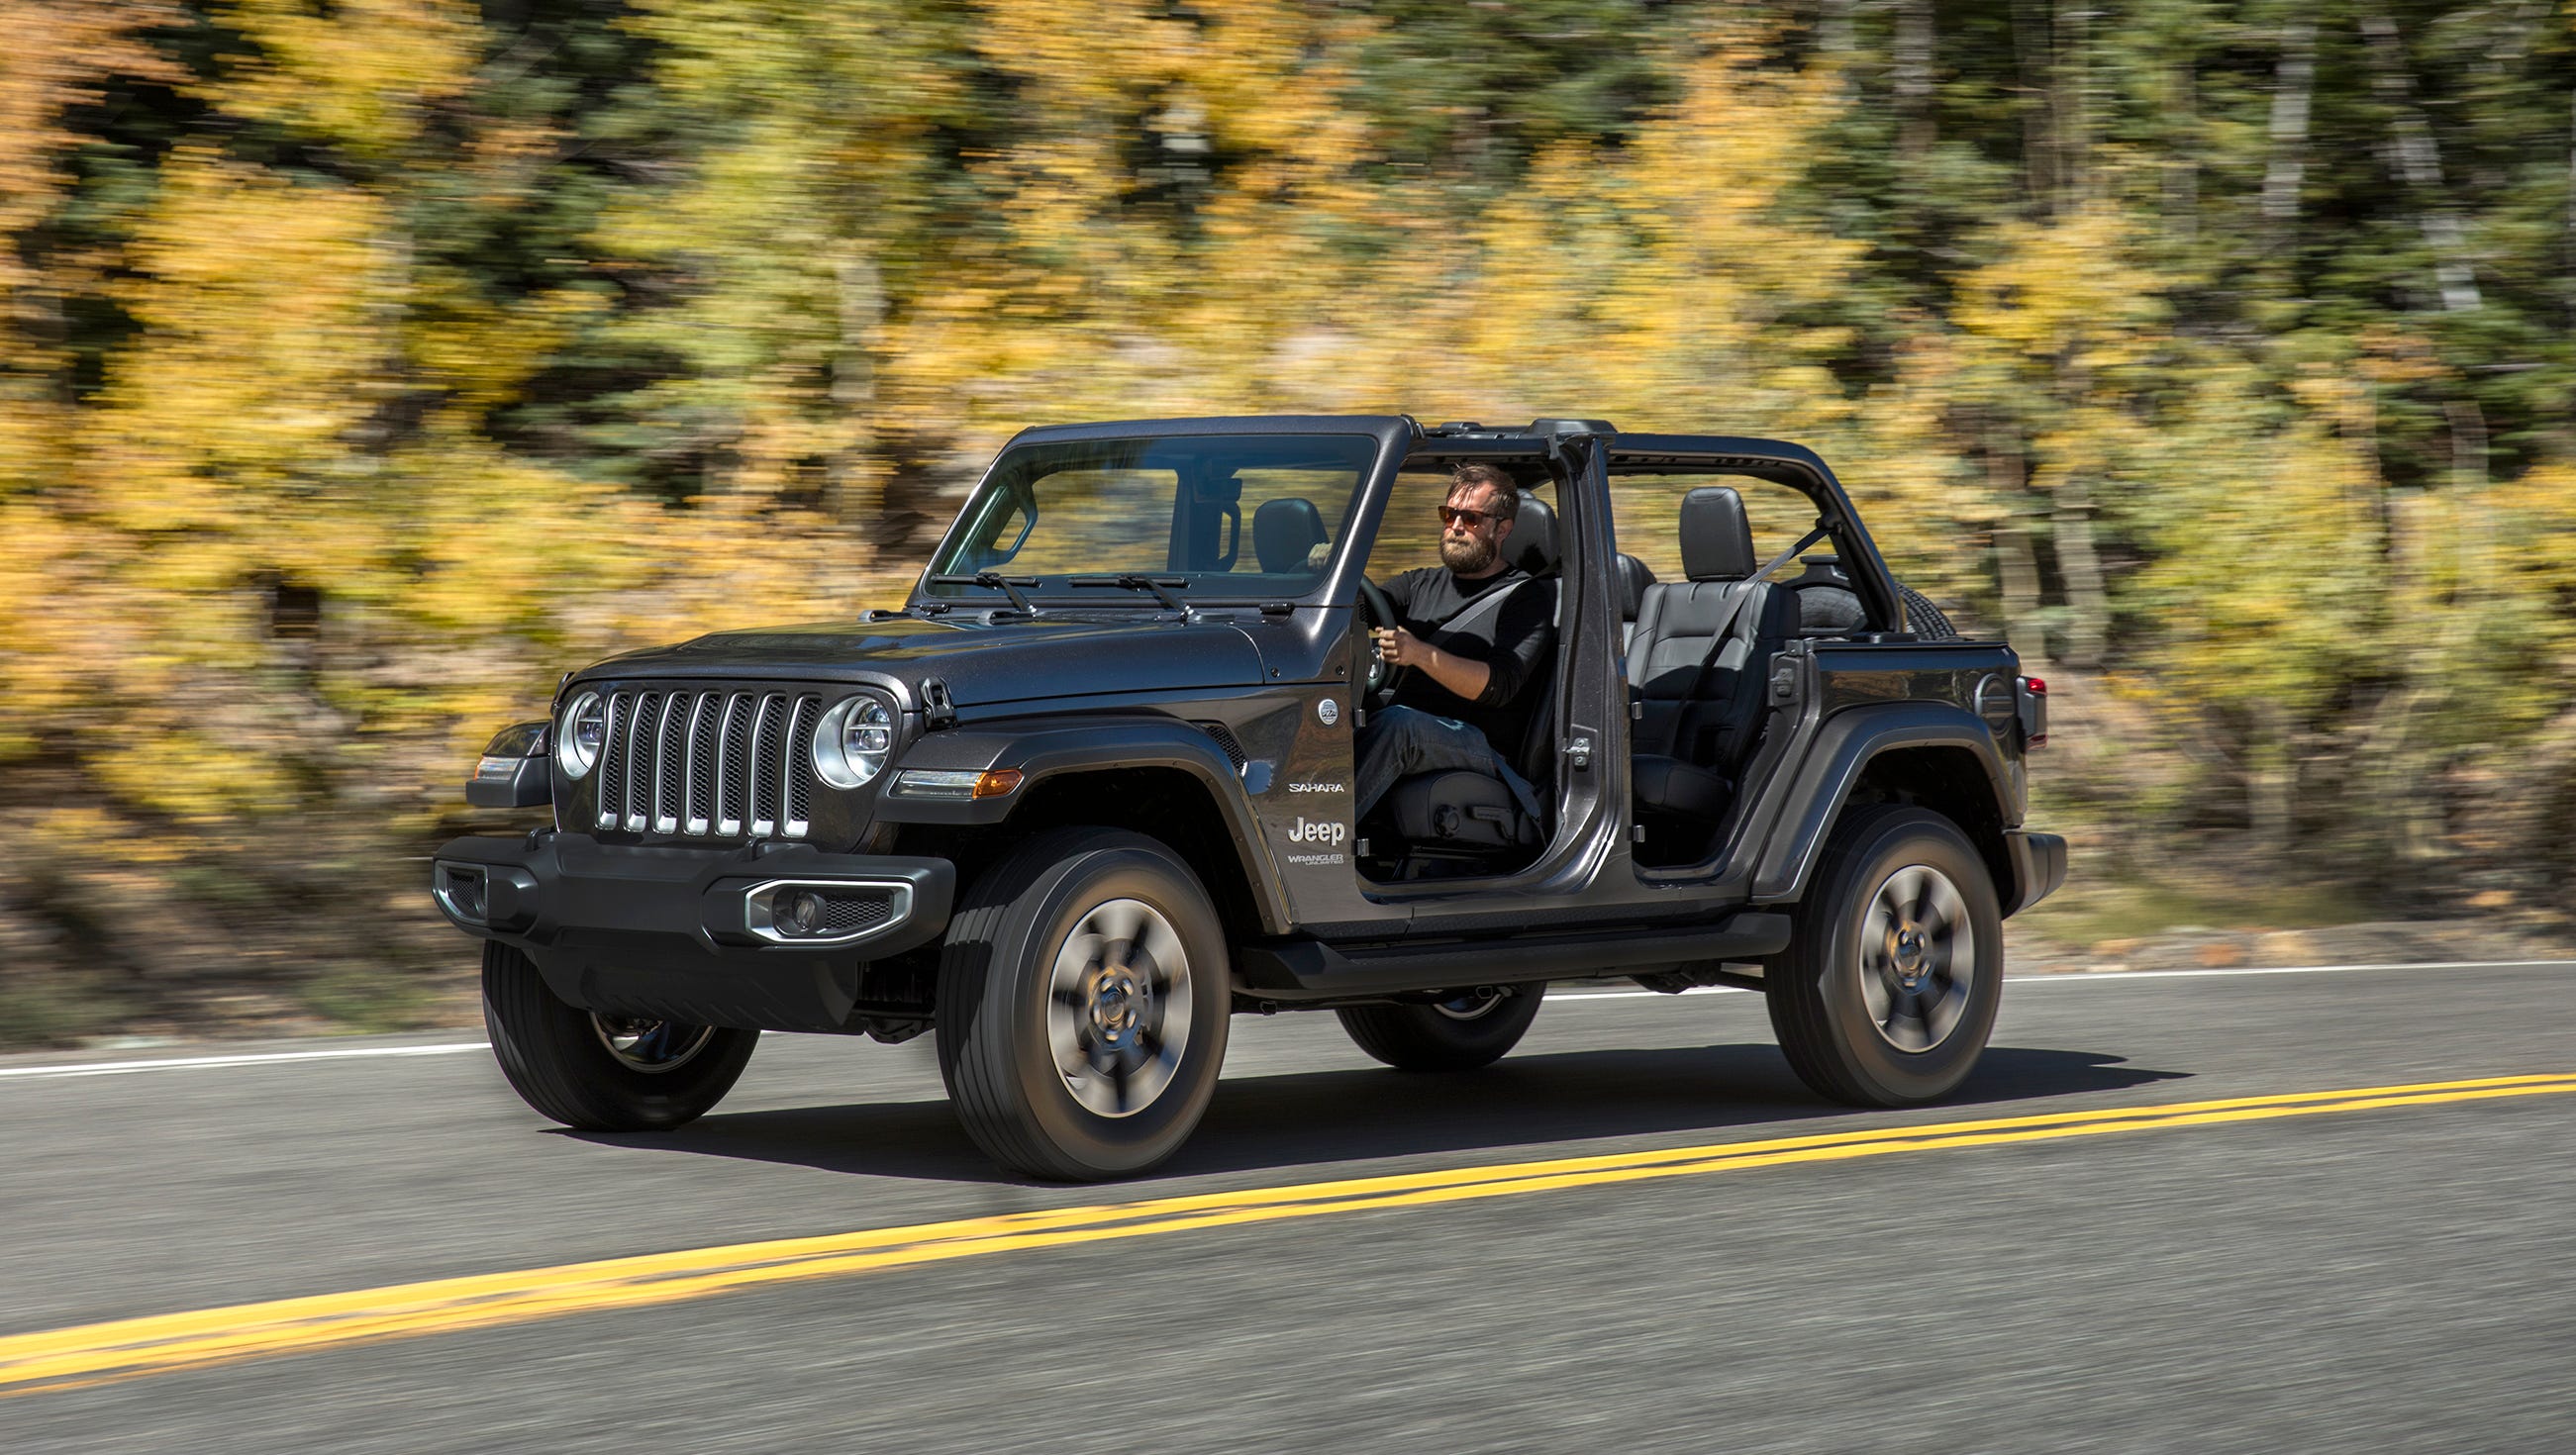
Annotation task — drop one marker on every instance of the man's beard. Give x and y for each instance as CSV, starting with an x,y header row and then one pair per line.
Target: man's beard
x,y
1468,555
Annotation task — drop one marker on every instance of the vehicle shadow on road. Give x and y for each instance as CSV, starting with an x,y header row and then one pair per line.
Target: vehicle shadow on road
x,y
1305,1118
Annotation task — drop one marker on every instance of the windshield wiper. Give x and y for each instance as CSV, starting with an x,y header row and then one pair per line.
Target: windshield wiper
x,y
1159,585
995,580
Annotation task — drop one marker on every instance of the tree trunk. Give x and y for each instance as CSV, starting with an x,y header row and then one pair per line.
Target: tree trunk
x,y
2182,169
861,298
2419,164
2071,104
2294,85
1838,36
1911,79
2271,781
2035,67
2088,601
2015,563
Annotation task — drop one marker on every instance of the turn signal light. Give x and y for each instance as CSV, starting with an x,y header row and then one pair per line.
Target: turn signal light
x,y
955,784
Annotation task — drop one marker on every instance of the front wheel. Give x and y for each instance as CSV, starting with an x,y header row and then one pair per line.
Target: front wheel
x,y
1457,1034
1084,994
1894,970
603,1073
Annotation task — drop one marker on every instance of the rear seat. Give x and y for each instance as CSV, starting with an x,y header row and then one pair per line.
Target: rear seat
x,y
1696,664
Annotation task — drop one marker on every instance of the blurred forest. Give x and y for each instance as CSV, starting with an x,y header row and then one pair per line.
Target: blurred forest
x,y
365,363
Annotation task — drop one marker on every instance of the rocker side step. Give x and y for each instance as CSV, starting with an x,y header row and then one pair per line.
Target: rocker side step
x,y
1303,971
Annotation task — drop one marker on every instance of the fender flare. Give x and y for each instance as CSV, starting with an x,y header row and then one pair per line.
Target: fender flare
x,y
1045,750
1844,746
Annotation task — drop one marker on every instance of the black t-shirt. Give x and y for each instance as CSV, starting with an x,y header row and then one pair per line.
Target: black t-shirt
x,y
1515,638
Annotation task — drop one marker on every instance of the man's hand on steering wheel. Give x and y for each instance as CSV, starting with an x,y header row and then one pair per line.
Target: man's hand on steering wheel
x,y
1380,672
1399,648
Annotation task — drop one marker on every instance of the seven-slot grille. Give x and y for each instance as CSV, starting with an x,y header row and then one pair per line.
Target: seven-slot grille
x,y
707,764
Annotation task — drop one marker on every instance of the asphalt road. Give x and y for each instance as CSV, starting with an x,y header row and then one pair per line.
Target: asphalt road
x,y
2392,1279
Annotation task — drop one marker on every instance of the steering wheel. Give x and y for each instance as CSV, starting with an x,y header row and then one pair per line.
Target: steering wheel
x,y
1378,682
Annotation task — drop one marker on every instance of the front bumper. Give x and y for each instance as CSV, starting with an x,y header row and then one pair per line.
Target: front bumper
x,y
696,935
2038,865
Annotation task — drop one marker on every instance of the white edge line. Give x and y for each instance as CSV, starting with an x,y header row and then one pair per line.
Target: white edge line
x,y
190,1063
2276,970
2092,976
175,1063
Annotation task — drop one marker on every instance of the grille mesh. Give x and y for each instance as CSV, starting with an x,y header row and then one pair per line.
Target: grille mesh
x,y
848,912
1224,739
671,754
764,786
800,766
707,764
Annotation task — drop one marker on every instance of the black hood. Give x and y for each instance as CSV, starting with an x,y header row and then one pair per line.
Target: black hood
x,y
1006,661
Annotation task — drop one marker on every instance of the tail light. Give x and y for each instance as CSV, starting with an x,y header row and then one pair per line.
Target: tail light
x,y
2033,704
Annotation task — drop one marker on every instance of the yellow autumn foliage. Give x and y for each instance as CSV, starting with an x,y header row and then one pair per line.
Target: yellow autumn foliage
x,y
383,384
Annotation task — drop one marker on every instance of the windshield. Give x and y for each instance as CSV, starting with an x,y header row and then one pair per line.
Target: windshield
x,y
1206,516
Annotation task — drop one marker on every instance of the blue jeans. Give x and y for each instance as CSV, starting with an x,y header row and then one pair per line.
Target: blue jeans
x,y
1402,741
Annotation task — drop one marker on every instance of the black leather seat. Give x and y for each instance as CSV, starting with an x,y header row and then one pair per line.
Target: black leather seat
x,y
1467,821
1697,663
1634,577
1533,538
1284,531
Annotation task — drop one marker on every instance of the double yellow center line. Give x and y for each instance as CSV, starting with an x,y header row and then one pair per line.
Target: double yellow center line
x,y
91,1353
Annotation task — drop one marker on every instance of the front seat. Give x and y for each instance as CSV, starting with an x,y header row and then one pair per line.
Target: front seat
x,y
1461,821
1696,664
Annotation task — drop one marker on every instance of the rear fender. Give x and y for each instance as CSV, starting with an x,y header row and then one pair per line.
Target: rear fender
x,y
1843,749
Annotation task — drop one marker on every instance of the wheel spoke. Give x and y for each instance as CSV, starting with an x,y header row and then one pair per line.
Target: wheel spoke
x,y
1118,922
1164,957
1904,892
1943,909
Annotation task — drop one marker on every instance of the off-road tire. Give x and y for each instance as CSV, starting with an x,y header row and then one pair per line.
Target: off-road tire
x,y
1423,1038
555,1058
1816,995
994,989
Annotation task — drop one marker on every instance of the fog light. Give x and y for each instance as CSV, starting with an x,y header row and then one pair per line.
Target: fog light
x,y
801,913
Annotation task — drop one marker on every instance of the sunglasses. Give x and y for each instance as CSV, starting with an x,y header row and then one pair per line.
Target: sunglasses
x,y
1451,515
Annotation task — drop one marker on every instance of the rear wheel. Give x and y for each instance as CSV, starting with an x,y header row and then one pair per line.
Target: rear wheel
x,y
1889,987
603,1073
1457,1034
1084,995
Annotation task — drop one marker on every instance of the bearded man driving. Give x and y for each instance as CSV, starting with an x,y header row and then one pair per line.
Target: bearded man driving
x,y
1471,665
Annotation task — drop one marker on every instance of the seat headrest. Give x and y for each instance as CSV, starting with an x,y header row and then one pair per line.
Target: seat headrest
x,y
1284,531
1634,577
1533,539
1717,541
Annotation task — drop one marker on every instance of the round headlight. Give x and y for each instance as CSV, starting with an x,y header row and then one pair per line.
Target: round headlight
x,y
853,741
578,734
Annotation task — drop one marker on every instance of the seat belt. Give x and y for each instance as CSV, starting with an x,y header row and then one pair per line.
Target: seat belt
x,y
1490,601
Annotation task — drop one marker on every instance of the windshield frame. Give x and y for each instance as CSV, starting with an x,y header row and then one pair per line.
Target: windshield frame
x,y
1390,436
